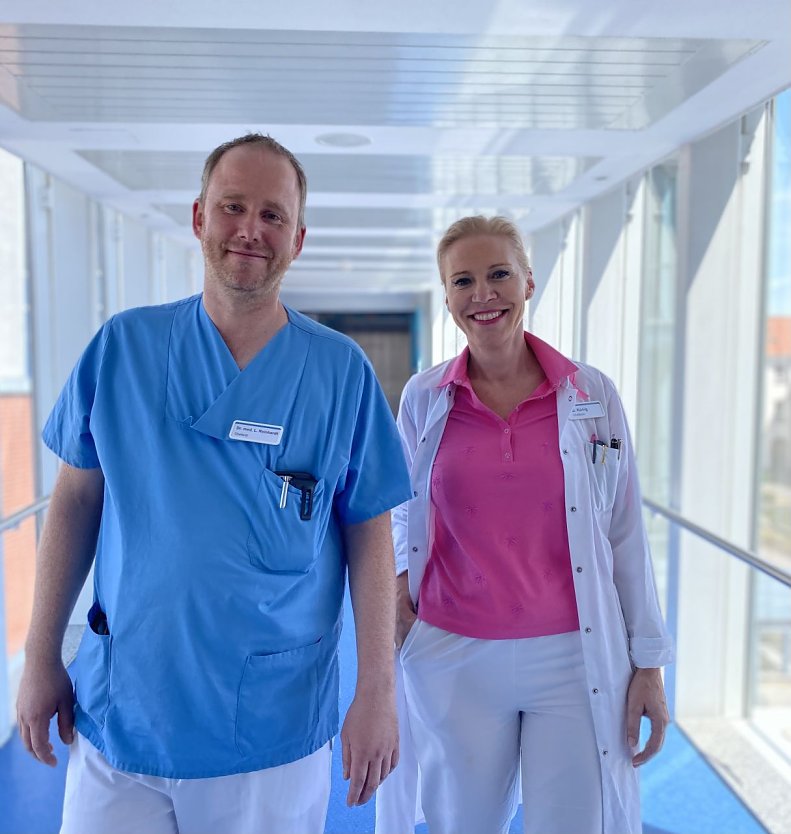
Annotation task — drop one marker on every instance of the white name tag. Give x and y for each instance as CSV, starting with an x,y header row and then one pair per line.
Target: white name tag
x,y
591,409
256,432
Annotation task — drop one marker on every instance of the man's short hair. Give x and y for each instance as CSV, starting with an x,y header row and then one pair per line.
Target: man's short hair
x,y
268,143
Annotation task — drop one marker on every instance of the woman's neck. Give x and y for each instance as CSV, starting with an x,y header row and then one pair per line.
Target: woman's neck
x,y
505,365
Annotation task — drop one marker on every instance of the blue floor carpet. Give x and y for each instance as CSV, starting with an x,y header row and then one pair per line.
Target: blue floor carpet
x,y
681,793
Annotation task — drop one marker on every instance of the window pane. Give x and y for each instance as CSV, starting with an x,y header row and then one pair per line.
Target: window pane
x,y
770,679
17,456
657,335
775,500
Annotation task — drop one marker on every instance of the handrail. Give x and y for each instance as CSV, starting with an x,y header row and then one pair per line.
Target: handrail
x,y
723,544
746,556
11,521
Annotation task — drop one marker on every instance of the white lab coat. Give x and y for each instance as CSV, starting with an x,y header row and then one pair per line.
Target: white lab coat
x,y
620,621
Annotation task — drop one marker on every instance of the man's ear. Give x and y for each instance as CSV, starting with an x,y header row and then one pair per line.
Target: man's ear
x,y
299,241
197,219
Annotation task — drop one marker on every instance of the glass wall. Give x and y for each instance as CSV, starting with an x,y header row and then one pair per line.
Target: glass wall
x,y
17,446
656,389
770,684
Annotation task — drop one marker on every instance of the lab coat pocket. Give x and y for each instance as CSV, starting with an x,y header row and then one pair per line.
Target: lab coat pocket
x,y
278,699
281,540
409,639
91,671
602,466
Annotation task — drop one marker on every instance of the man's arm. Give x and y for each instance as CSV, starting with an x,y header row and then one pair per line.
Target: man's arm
x,y
370,731
65,554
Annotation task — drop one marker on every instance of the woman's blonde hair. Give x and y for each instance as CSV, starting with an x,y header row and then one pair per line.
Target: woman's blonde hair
x,y
477,224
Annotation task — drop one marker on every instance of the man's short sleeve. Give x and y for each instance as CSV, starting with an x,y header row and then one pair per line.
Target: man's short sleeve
x,y
377,478
67,431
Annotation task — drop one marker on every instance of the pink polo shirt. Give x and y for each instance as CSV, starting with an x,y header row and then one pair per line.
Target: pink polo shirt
x,y
499,565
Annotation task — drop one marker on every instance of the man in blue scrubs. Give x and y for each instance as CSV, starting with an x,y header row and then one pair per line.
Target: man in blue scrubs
x,y
226,459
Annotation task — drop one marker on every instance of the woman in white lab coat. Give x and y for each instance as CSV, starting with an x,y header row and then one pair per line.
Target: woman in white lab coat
x,y
530,633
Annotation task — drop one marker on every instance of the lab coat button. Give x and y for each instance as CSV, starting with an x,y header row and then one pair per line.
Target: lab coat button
x,y
415,494
579,570
604,752
414,550
565,451
587,631
423,440
595,691
573,509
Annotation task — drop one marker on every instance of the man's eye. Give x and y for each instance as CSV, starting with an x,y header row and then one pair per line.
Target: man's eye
x,y
272,217
233,207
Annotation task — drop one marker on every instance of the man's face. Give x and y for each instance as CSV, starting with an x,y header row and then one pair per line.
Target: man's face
x,y
247,224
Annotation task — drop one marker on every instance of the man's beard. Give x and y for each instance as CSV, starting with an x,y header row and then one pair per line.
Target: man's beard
x,y
265,278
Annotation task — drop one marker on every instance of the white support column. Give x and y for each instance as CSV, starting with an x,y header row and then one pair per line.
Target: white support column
x,y
721,265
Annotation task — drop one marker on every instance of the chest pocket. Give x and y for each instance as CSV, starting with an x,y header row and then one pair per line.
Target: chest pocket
x,y
281,539
603,474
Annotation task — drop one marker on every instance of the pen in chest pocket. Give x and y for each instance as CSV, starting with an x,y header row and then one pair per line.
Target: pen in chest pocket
x,y
284,491
306,484
596,443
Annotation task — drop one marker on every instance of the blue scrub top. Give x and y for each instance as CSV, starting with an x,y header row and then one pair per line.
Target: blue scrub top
x,y
223,610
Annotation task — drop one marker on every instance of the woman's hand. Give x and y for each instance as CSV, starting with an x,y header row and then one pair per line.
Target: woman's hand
x,y
646,696
405,611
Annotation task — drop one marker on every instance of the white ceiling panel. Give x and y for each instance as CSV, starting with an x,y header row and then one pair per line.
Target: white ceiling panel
x,y
361,174
443,108
71,73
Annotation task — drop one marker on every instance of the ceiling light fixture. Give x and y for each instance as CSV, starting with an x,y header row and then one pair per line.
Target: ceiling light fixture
x,y
343,140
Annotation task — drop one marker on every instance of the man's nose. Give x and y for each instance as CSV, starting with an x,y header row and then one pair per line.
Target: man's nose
x,y
249,228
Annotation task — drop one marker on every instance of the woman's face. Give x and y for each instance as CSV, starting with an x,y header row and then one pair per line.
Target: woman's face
x,y
485,290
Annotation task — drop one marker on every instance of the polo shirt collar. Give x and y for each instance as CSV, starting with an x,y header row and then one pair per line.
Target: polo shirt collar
x,y
556,367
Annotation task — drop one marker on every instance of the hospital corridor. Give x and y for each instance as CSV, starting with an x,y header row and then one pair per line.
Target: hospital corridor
x,y
643,154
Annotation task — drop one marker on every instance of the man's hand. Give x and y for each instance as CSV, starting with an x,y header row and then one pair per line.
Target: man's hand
x,y
405,610
370,731
45,689
646,696
370,745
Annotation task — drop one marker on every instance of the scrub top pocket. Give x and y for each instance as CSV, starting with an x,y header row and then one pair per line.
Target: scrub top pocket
x,y
603,475
280,540
278,699
91,672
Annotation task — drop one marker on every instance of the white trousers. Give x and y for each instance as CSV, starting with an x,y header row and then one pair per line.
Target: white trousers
x,y
289,799
479,709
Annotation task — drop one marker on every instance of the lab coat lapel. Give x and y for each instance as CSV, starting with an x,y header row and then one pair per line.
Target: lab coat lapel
x,y
567,399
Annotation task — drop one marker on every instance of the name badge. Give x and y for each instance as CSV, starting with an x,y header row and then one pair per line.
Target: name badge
x,y
583,411
256,432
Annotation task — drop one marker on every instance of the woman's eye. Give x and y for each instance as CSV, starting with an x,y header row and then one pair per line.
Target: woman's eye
x,y
461,282
501,273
